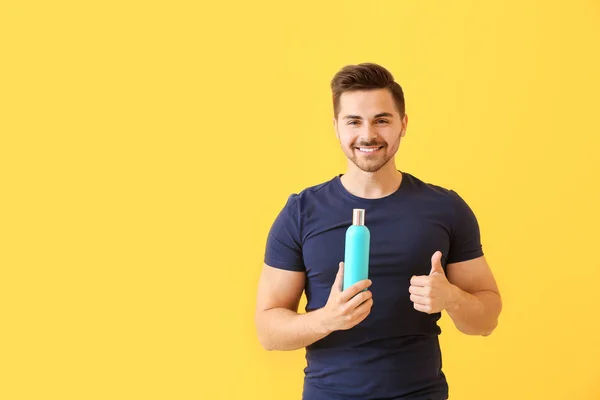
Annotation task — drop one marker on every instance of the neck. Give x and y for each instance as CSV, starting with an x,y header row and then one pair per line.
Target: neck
x,y
372,185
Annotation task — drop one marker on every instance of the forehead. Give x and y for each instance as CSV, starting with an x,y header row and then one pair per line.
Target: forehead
x,y
367,102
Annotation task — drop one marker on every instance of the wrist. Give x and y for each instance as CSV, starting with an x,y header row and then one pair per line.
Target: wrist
x,y
319,322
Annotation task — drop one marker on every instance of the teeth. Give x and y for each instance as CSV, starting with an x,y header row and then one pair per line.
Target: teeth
x,y
367,150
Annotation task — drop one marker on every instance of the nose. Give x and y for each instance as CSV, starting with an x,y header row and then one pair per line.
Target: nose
x,y
369,133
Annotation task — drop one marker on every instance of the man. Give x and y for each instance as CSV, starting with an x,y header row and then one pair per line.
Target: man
x,y
425,257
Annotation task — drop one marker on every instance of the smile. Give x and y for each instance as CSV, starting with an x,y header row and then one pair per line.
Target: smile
x,y
369,149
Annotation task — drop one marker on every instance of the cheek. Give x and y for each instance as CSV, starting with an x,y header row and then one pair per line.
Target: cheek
x,y
347,144
346,138
392,138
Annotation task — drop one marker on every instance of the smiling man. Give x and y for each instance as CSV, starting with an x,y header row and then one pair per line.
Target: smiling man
x,y
426,257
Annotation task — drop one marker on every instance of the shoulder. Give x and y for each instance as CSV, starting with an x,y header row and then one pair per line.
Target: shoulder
x,y
312,194
444,199
428,190
319,189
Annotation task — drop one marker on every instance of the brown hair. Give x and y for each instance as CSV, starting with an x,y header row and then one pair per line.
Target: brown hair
x,y
365,76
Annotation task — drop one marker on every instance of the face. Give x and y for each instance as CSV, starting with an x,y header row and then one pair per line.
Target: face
x,y
369,128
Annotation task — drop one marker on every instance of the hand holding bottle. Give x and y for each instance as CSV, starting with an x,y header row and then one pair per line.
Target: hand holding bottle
x,y
346,308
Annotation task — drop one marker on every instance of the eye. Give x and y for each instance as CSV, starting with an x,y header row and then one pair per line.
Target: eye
x,y
383,121
353,122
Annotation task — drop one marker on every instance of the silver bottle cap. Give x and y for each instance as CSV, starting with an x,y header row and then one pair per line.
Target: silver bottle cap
x,y
358,216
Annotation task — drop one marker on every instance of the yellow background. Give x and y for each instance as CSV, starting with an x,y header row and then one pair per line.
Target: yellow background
x,y
147,146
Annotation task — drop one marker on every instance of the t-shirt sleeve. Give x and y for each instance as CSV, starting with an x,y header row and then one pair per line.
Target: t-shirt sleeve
x,y
465,241
284,244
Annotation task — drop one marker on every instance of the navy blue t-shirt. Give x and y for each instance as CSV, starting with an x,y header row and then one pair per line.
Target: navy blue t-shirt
x,y
394,353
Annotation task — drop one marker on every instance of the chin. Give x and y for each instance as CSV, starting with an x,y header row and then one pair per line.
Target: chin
x,y
369,167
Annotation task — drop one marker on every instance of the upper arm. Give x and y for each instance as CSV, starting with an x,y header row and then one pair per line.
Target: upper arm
x,y
467,267
472,276
283,274
279,288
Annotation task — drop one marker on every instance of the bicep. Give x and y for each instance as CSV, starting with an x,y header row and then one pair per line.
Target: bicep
x,y
472,276
279,288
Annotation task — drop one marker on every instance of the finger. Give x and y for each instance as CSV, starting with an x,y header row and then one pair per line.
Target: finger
x,y
354,290
422,308
422,300
364,308
339,278
421,280
361,318
420,290
360,314
358,300
436,263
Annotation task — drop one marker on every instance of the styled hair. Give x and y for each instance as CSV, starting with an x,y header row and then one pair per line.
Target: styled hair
x,y
365,76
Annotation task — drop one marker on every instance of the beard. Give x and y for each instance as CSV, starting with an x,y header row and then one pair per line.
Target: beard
x,y
368,162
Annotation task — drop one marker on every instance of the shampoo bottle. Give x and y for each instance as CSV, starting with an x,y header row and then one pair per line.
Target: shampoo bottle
x,y
356,258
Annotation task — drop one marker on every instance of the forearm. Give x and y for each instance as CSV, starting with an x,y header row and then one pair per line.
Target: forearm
x,y
475,314
283,329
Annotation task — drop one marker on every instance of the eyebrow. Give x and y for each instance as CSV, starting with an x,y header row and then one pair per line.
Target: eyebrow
x,y
383,114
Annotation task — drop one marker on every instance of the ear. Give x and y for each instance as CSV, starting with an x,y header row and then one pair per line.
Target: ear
x,y
335,127
404,125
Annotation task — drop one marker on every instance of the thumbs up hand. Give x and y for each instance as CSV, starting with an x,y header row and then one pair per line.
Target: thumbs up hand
x,y
431,293
436,264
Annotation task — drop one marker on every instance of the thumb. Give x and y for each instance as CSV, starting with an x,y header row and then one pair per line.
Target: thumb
x,y
436,263
339,278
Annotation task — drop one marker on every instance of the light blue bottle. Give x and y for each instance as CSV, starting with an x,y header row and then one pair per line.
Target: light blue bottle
x,y
356,258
